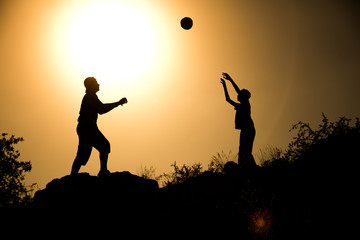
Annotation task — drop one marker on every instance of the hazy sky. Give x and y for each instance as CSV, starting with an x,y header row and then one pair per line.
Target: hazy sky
x,y
297,58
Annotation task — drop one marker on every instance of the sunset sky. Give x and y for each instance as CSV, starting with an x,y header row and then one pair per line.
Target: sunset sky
x,y
297,58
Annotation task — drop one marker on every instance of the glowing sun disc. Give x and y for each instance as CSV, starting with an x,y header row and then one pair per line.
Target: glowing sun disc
x,y
111,40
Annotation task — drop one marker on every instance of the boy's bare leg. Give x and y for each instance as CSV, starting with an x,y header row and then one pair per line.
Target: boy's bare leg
x,y
103,161
75,167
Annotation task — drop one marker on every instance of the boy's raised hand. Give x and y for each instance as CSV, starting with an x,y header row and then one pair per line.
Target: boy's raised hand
x,y
226,76
123,101
222,81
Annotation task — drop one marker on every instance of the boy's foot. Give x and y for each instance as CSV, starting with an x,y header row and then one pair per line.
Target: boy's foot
x,y
103,173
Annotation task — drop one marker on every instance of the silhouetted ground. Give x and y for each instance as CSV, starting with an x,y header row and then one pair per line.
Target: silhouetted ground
x,y
311,198
120,192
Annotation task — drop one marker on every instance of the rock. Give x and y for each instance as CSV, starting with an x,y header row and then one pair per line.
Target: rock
x,y
119,192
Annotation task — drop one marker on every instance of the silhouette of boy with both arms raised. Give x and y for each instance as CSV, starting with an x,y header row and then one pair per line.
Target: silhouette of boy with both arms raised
x,y
88,131
243,122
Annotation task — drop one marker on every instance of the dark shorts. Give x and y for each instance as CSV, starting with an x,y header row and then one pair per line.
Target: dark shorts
x,y
89,137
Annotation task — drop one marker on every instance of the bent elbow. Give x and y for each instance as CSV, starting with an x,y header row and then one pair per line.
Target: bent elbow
x,y
101,112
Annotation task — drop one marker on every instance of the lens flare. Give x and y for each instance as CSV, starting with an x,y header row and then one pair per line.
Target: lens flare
x,y
260,222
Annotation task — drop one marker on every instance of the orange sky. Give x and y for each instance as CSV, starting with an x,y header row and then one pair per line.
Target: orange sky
x,y
298,60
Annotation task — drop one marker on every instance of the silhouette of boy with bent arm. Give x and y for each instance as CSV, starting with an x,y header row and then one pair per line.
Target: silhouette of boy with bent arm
x,y
243,122
88,131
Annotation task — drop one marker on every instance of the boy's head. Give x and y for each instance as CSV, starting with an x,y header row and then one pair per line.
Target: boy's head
x,y
244,95
91,84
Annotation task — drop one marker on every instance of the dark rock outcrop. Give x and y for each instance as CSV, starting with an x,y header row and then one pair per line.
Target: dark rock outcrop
x,y
119,192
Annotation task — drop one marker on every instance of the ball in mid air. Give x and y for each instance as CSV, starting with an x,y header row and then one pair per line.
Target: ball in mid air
x,y
186,23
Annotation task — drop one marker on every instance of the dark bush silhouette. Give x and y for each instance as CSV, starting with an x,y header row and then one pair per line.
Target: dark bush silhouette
x,y
300,193
307,137
13,191
313,181
181,174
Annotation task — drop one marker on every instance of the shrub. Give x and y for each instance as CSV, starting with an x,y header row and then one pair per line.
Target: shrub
x,y
180,174
12,188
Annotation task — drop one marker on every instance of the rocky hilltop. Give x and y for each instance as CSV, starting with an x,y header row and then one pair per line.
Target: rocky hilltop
x,y
119,192
310,198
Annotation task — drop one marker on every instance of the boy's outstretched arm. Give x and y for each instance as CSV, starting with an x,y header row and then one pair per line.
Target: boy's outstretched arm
x,y
227,77
107,107
227,97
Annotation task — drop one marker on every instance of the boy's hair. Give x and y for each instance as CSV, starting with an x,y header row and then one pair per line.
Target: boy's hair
x,y
89,81
244,94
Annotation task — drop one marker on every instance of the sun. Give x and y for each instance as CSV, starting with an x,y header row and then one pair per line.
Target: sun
x,y
110,40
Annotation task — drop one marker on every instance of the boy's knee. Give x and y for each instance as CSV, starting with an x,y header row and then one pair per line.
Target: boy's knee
x,y
103,146
106,147
82,157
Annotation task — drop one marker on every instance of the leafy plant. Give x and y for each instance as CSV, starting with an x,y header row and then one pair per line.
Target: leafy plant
x,y
307,136
148,173
269,154
219,160
180,174
12,188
